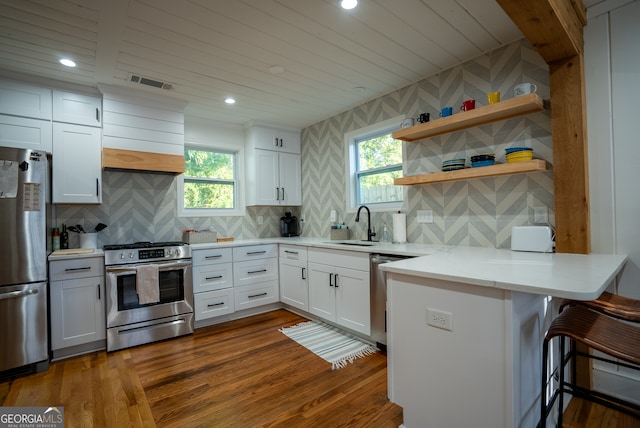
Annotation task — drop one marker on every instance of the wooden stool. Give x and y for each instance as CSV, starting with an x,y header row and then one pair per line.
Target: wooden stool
x,y
620,307
598,331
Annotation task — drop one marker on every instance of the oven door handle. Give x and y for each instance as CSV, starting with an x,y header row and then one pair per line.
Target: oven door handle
x,y
161,267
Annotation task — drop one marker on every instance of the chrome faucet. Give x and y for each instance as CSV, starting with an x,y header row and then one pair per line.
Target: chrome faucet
x,y
370,234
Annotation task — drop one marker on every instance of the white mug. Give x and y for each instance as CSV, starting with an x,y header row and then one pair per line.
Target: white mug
x,y
408,122
525,88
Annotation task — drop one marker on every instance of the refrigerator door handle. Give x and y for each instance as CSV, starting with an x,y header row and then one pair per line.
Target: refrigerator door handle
x,y
17,294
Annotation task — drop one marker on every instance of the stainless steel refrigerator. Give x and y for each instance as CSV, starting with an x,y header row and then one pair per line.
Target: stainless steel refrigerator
x,y
23,259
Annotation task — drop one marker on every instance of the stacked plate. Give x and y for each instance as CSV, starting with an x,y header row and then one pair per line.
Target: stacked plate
x,y
483,160
453,164
519,154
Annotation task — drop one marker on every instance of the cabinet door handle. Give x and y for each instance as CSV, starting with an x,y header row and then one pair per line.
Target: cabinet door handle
x,y
275,141
257,295
330,280
281,142
97,115
256,271
277,193
304,273
253,253
97,187
213,277
215,256
212,305
283,193
335,281
77,269
99,295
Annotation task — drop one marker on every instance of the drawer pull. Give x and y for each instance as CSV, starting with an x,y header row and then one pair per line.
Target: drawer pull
x,y
212,305
258,295
304,273
208,278
291,252
215,256
253,253
256,271
77,269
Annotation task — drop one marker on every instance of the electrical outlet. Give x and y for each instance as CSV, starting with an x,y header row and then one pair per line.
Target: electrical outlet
x,y
439,319
425,216
301,218
334,216
260,220
540,215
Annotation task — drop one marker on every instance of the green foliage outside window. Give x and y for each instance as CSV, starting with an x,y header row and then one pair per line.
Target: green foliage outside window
x,y
209,179
379,162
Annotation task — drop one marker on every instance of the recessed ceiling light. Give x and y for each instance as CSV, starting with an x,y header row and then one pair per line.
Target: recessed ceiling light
x,y
276,69
229,100
359,89
348,4
67,62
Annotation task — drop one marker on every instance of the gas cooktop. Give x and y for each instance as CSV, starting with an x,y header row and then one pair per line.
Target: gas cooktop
x,y
145,244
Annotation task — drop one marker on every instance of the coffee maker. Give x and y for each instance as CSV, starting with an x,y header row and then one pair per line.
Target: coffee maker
x,y
289,225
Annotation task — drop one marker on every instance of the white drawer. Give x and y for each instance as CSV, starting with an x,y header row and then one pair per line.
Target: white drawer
x,y
78,268
255,252
338,258
251,272
213,303
293,252
212,277
256,295
211,256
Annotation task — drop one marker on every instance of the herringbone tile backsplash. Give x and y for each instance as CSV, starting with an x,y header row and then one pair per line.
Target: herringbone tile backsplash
x,y
481,212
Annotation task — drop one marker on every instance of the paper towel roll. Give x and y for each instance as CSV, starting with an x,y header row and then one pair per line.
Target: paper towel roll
x,y
399,228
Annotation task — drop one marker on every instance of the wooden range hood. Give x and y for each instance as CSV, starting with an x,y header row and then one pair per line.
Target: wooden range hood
x,y
142,131
134,160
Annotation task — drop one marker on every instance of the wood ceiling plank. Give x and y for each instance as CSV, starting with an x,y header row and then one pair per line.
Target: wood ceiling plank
x,y
223,65
221,32
354,36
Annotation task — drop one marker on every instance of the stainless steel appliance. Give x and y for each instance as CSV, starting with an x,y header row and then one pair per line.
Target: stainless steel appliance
x,y
130,323
23,260
378,281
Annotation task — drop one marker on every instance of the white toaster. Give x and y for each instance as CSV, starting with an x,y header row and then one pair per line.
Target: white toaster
x,y
532,238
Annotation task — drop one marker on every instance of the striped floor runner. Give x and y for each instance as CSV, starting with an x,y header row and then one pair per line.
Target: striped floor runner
x,y
329,343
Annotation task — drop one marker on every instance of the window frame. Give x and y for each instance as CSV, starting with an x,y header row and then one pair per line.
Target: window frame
x,y
238,169
351,152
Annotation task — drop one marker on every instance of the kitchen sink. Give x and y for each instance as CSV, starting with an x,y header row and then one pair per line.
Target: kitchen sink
x,y
355,243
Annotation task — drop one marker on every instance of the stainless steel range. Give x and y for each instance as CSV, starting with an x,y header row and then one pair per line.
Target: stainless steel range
x,y
149,292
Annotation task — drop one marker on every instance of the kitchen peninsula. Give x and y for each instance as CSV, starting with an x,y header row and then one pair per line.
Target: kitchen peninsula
x,y
466,327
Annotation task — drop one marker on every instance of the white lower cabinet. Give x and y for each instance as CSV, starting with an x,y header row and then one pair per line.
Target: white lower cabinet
x,y
255,275
294,287
339,288
77,303
212,282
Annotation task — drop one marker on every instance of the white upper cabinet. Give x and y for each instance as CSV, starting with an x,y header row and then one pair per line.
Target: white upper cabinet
x,y
19,99
77,164
268,138
25,133
76,108
274,172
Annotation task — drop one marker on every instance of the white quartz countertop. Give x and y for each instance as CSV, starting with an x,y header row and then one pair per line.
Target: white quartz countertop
x,y
574,276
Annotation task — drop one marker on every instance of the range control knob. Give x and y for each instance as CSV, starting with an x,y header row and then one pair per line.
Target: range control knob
x,y
178,252
122,255
169,252
131,255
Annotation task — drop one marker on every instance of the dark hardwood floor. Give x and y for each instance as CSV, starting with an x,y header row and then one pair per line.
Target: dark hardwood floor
x,y
242,373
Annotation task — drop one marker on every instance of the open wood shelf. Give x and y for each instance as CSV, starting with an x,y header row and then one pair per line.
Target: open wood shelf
x,y
533,165
507,109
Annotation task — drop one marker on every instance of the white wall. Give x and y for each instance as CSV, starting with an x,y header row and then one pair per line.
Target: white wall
x,y
612,71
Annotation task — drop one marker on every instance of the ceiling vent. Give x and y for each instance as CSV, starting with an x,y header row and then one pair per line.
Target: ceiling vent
x,y
141,80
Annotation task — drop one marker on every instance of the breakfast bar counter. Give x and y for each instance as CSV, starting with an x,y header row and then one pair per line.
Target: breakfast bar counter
x,y
465,330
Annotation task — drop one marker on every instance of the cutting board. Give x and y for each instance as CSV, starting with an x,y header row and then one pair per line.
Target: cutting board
x,y
69,251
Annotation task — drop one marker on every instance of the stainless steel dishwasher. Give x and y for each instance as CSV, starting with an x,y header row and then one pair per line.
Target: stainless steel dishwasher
x,y
378,281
